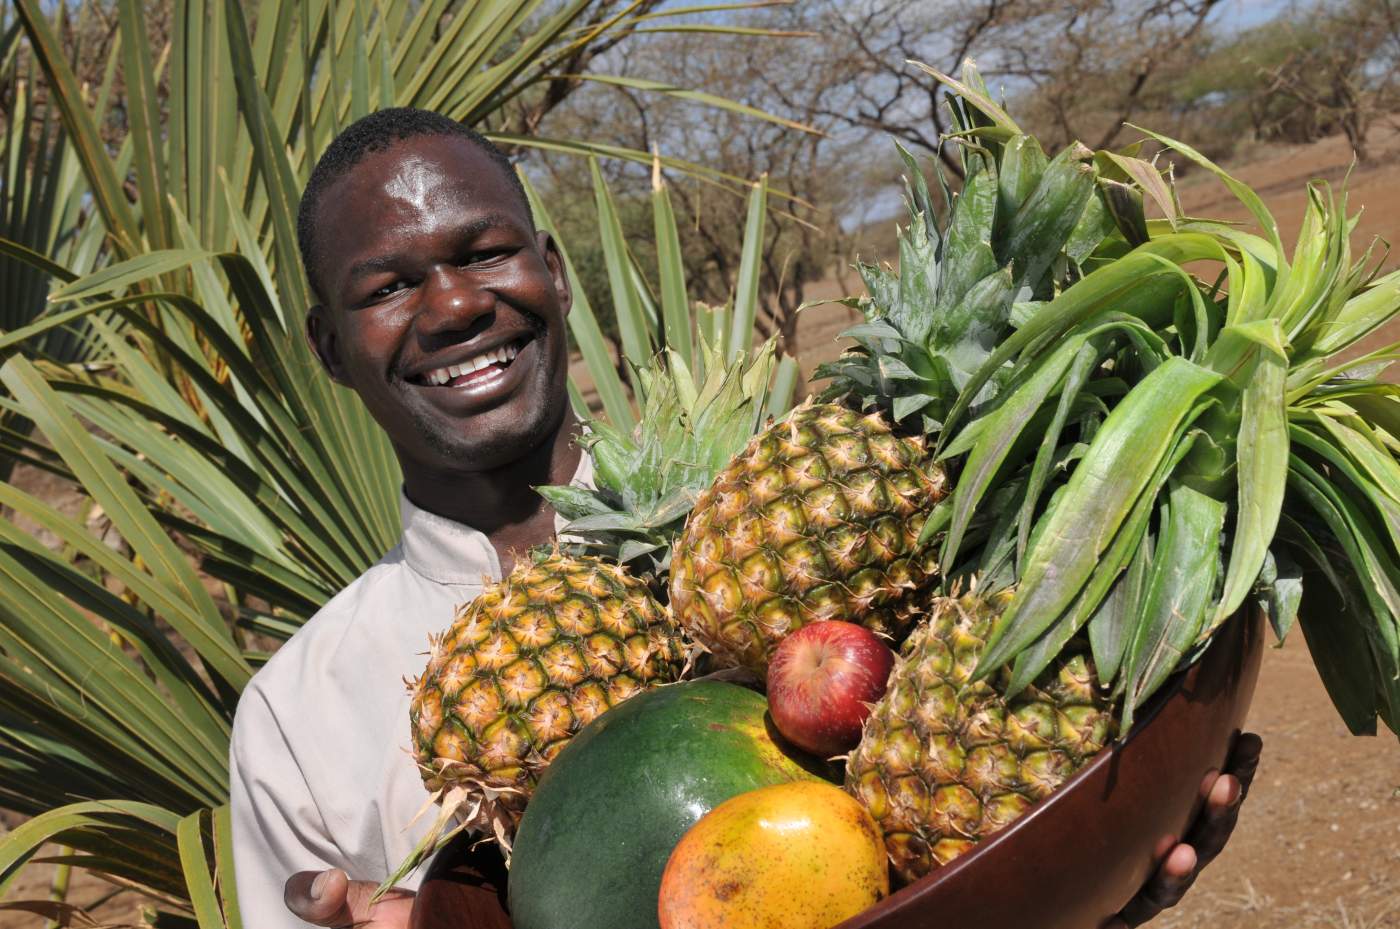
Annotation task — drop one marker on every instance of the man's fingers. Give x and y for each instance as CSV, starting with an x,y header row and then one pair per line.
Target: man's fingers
x,y
331,899
1214,826
391,912
1173,878
319,897
1178,870
1224,797
1244,760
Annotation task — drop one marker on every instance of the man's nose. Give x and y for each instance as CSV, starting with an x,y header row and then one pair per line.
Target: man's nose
x,y
453,303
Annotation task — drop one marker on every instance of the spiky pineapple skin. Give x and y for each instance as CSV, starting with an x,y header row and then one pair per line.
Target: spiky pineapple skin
x,y
524,667
942,764
818,518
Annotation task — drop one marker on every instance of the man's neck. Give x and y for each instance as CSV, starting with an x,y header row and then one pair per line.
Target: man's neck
x,y
502,502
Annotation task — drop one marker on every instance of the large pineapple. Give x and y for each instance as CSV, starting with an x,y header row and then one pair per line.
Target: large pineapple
x,y
527,664
943,762
821,517
818,518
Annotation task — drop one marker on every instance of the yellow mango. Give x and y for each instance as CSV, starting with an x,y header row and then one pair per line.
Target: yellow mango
x,y
804,855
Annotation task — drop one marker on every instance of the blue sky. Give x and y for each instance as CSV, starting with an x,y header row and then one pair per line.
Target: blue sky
x,y
1241,14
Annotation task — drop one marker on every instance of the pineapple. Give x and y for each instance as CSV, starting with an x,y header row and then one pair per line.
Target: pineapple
x,y
942,762
818,518
527,664
824,515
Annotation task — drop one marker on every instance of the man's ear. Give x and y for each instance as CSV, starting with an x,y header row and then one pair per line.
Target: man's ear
x,y
555,262
321,336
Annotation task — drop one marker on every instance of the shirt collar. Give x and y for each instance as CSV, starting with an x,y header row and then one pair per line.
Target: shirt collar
x,y
448,552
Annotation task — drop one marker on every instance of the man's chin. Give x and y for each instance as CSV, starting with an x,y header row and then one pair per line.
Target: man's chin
x,y
499,439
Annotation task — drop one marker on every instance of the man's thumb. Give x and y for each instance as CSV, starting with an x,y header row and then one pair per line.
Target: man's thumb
x,y
319,897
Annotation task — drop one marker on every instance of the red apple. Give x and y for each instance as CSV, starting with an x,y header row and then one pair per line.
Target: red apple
x,y
821,683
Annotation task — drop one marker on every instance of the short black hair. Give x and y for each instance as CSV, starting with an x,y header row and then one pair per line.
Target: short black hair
x,y
374,133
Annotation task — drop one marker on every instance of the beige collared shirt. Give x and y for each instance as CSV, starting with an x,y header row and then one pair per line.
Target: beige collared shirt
x,y
321,774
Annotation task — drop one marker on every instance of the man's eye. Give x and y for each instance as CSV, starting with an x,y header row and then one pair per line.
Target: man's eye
x,y
487,256
388,289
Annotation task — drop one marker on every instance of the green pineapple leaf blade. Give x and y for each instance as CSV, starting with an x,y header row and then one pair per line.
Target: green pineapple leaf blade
x,y
1110,628
1335,629
1148,180
1135,439
1261,473
1362,314
995,438
573,503
1180,589
1281,592
1379,576
1242,191
1049,215
1117,558
967,258
970,93
1153,291
1080,367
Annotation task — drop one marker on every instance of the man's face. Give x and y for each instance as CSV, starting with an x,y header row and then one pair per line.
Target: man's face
x,y
444,309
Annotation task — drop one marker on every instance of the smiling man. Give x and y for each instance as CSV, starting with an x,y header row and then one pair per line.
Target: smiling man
x,y
442,307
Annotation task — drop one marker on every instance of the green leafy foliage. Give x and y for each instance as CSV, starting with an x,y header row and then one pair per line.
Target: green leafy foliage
x,y
701,391
1218,446
932,324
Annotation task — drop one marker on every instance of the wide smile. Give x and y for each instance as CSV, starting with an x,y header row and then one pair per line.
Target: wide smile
x,y
479,379
483,366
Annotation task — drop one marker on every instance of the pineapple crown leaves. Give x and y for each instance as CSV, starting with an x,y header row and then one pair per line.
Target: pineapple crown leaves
x,y
1017,234
1180,444
648,480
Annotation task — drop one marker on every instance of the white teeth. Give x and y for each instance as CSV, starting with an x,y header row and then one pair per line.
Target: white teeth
x,y
502,355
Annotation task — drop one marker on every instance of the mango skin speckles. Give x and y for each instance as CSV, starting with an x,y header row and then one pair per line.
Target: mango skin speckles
x,y
803,855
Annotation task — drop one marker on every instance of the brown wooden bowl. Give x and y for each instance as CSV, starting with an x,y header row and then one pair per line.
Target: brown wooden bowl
x,y
1072,861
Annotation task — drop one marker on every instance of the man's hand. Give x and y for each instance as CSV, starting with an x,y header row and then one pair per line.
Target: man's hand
x,y
330,898
1180,863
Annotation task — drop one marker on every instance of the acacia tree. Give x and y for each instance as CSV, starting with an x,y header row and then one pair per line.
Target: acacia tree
x,y
818,180
1338,73
1080,68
